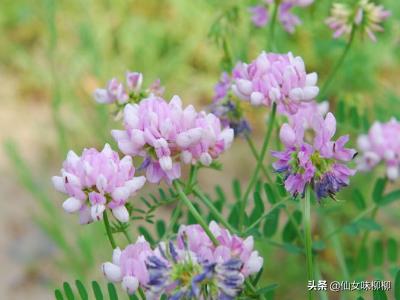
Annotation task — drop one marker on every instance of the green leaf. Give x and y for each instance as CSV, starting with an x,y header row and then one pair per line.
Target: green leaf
x,y
112,292
390,197
68,291
354,116
258,208
233,217
271,223
360,298
359,200
362,260
267,289
379,295
397,286
392,250
351,229
377,193
81,290
160,226
97,290
237,190
289,233
280,186
143,231
58,294
270,193
340,111
368,224
378,256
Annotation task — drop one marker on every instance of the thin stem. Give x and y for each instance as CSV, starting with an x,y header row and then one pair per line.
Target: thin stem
x,y
194,212
108,230
260,161
339,62
271,33
337,245
213,209
256,156
323,294
251,287
308,239
127,236
142,294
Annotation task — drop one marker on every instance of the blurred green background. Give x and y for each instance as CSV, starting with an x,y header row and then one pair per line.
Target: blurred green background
x,y
54,54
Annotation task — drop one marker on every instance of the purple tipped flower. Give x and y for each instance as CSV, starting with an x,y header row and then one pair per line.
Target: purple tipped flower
x,y
321,164
181,269
96,181
261,13
381,144
365,16
132,92
166,135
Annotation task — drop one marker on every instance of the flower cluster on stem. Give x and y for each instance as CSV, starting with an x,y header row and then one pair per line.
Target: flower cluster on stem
x,y
191,266
381,144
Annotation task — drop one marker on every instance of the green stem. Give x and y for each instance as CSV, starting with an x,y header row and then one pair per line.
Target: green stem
x,y
256,156
194,212
127,236
323,294
271,33
339,62
337,245
192,179
260,161
251,287
213,209
308,239
108,230
358,217
142,294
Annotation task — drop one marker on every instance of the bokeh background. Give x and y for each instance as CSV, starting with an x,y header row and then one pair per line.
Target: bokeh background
x,y
54,54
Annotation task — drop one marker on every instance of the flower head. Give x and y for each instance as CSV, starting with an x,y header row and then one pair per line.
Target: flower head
x,y
279,78
132,91
365,16
96,181
183,268
228,110
261,13
381,144
129,265
321,164
166,135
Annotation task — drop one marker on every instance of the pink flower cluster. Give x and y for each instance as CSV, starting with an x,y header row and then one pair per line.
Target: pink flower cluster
x,y
261,13
382,143
96,181
279,78
117,92
137,264
166,134
321,164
